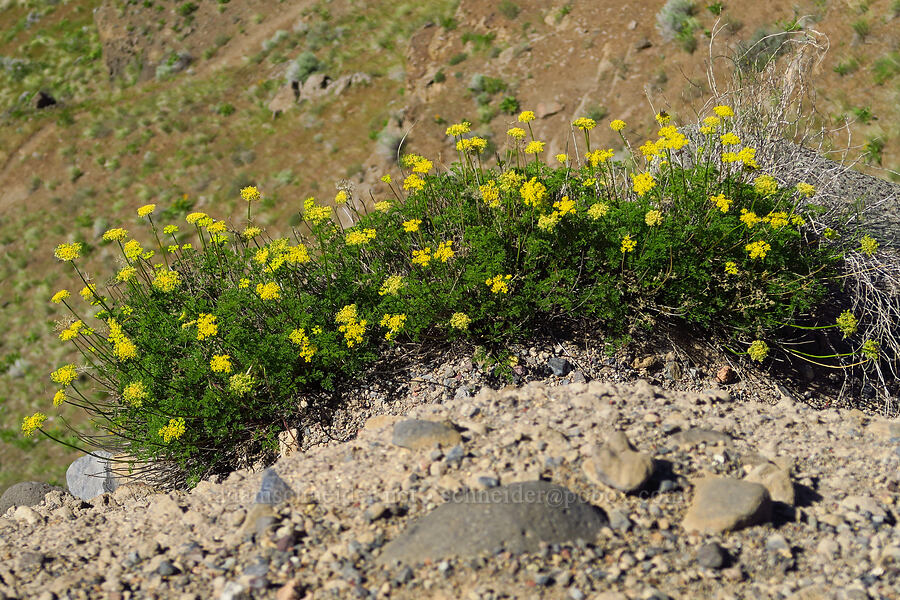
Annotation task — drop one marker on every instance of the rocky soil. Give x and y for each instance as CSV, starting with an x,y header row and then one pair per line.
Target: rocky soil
x,y
661,494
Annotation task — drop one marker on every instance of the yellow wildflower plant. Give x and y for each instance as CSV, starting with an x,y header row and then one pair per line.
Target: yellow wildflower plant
x,y
758,350
722,203
663,117
868,245
173,431
653,218
392,286
422,257
220,363
548,222
394,323
170,229
562,158
777,219
132,250
805,189
564,206
241,384
598,157
533,192
460,321
731,268
643,183
59,397
474,145
458,129
526,116
598,210
617,125
534,147
64,375
135,393
517,133
758,249
749,218
33,423
68,252
499,284
765,185
146,210
729,139
414,182
712,122
723,111
268,291
59,296
584,123
869,349
166,281
194,217
359,237
299,338
314,213
490,193
444,251
412,225
116,234
206,326
422,165
510,180
628,244
847,323
250,194
89,294
71,332
382,206
250,232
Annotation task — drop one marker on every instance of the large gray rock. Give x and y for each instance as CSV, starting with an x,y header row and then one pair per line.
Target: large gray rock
x,y
90,475
721,504
516,517
27,493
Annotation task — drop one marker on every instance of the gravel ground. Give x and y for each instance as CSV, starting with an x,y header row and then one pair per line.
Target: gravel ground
x,y
837,537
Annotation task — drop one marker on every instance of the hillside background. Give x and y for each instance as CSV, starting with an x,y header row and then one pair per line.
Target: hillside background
x,y
173,103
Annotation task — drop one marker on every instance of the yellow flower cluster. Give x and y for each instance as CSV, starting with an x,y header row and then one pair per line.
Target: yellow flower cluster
x,y
749,218
777,219
526,116
534,147
869,349
805,189
33,423
499,283
598,210
135,393
174,430
299,338
847,323
460,321
195,217
240,384
71,332
653,218
64,375
758,350
490,193
548,222
315,214
422,257
721,202
216,227
411,225
123,347
617,125
649,150
352,328
458,129
170,229
517,133
562,158
671,138
166,281
598,157
60,296
278,253
146,210
868,245
729,139
414,183
341,197
68,252
444,251
394,323
89,293
206,326
723,111
392,285
643,183
765,185
476,145
59,397
250,232
382,206
628,244
220,363
132,250
359,238
584,123
268,291
663,117
731,268
758,249
533,192
126,274
115,235
250,194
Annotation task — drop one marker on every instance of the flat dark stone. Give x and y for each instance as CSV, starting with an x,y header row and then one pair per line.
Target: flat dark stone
x,y
517,517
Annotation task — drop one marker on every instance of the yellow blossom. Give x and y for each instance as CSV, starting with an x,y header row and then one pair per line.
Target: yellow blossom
x,y
749,218
413,182
510,180
598,157
33,423
64,375
174,430
597,210
731,267
533,192
298,337
584,123
206,326
712,122
663,117
386,178
729,139
71,332
220,363
458,129
517,133
394,323
411,225
216,227
194,217
564,206
758,249
68,252
460,320
244,283
721,202
59,397
562,158
383,206
723,111
132,250
649,149
115,235
765,185
268,291
617,125
474,144
758,350
847,323
60,296
628,244
250,232
146,210
499,283
422,257
240,384
315,214
392,285
534,147
490,193
777,219
643,183
653,218
868,245
805,189
166,281
135,393
170,229
359,237
869,349
444,251
250,194
548,222
526,116
341,197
